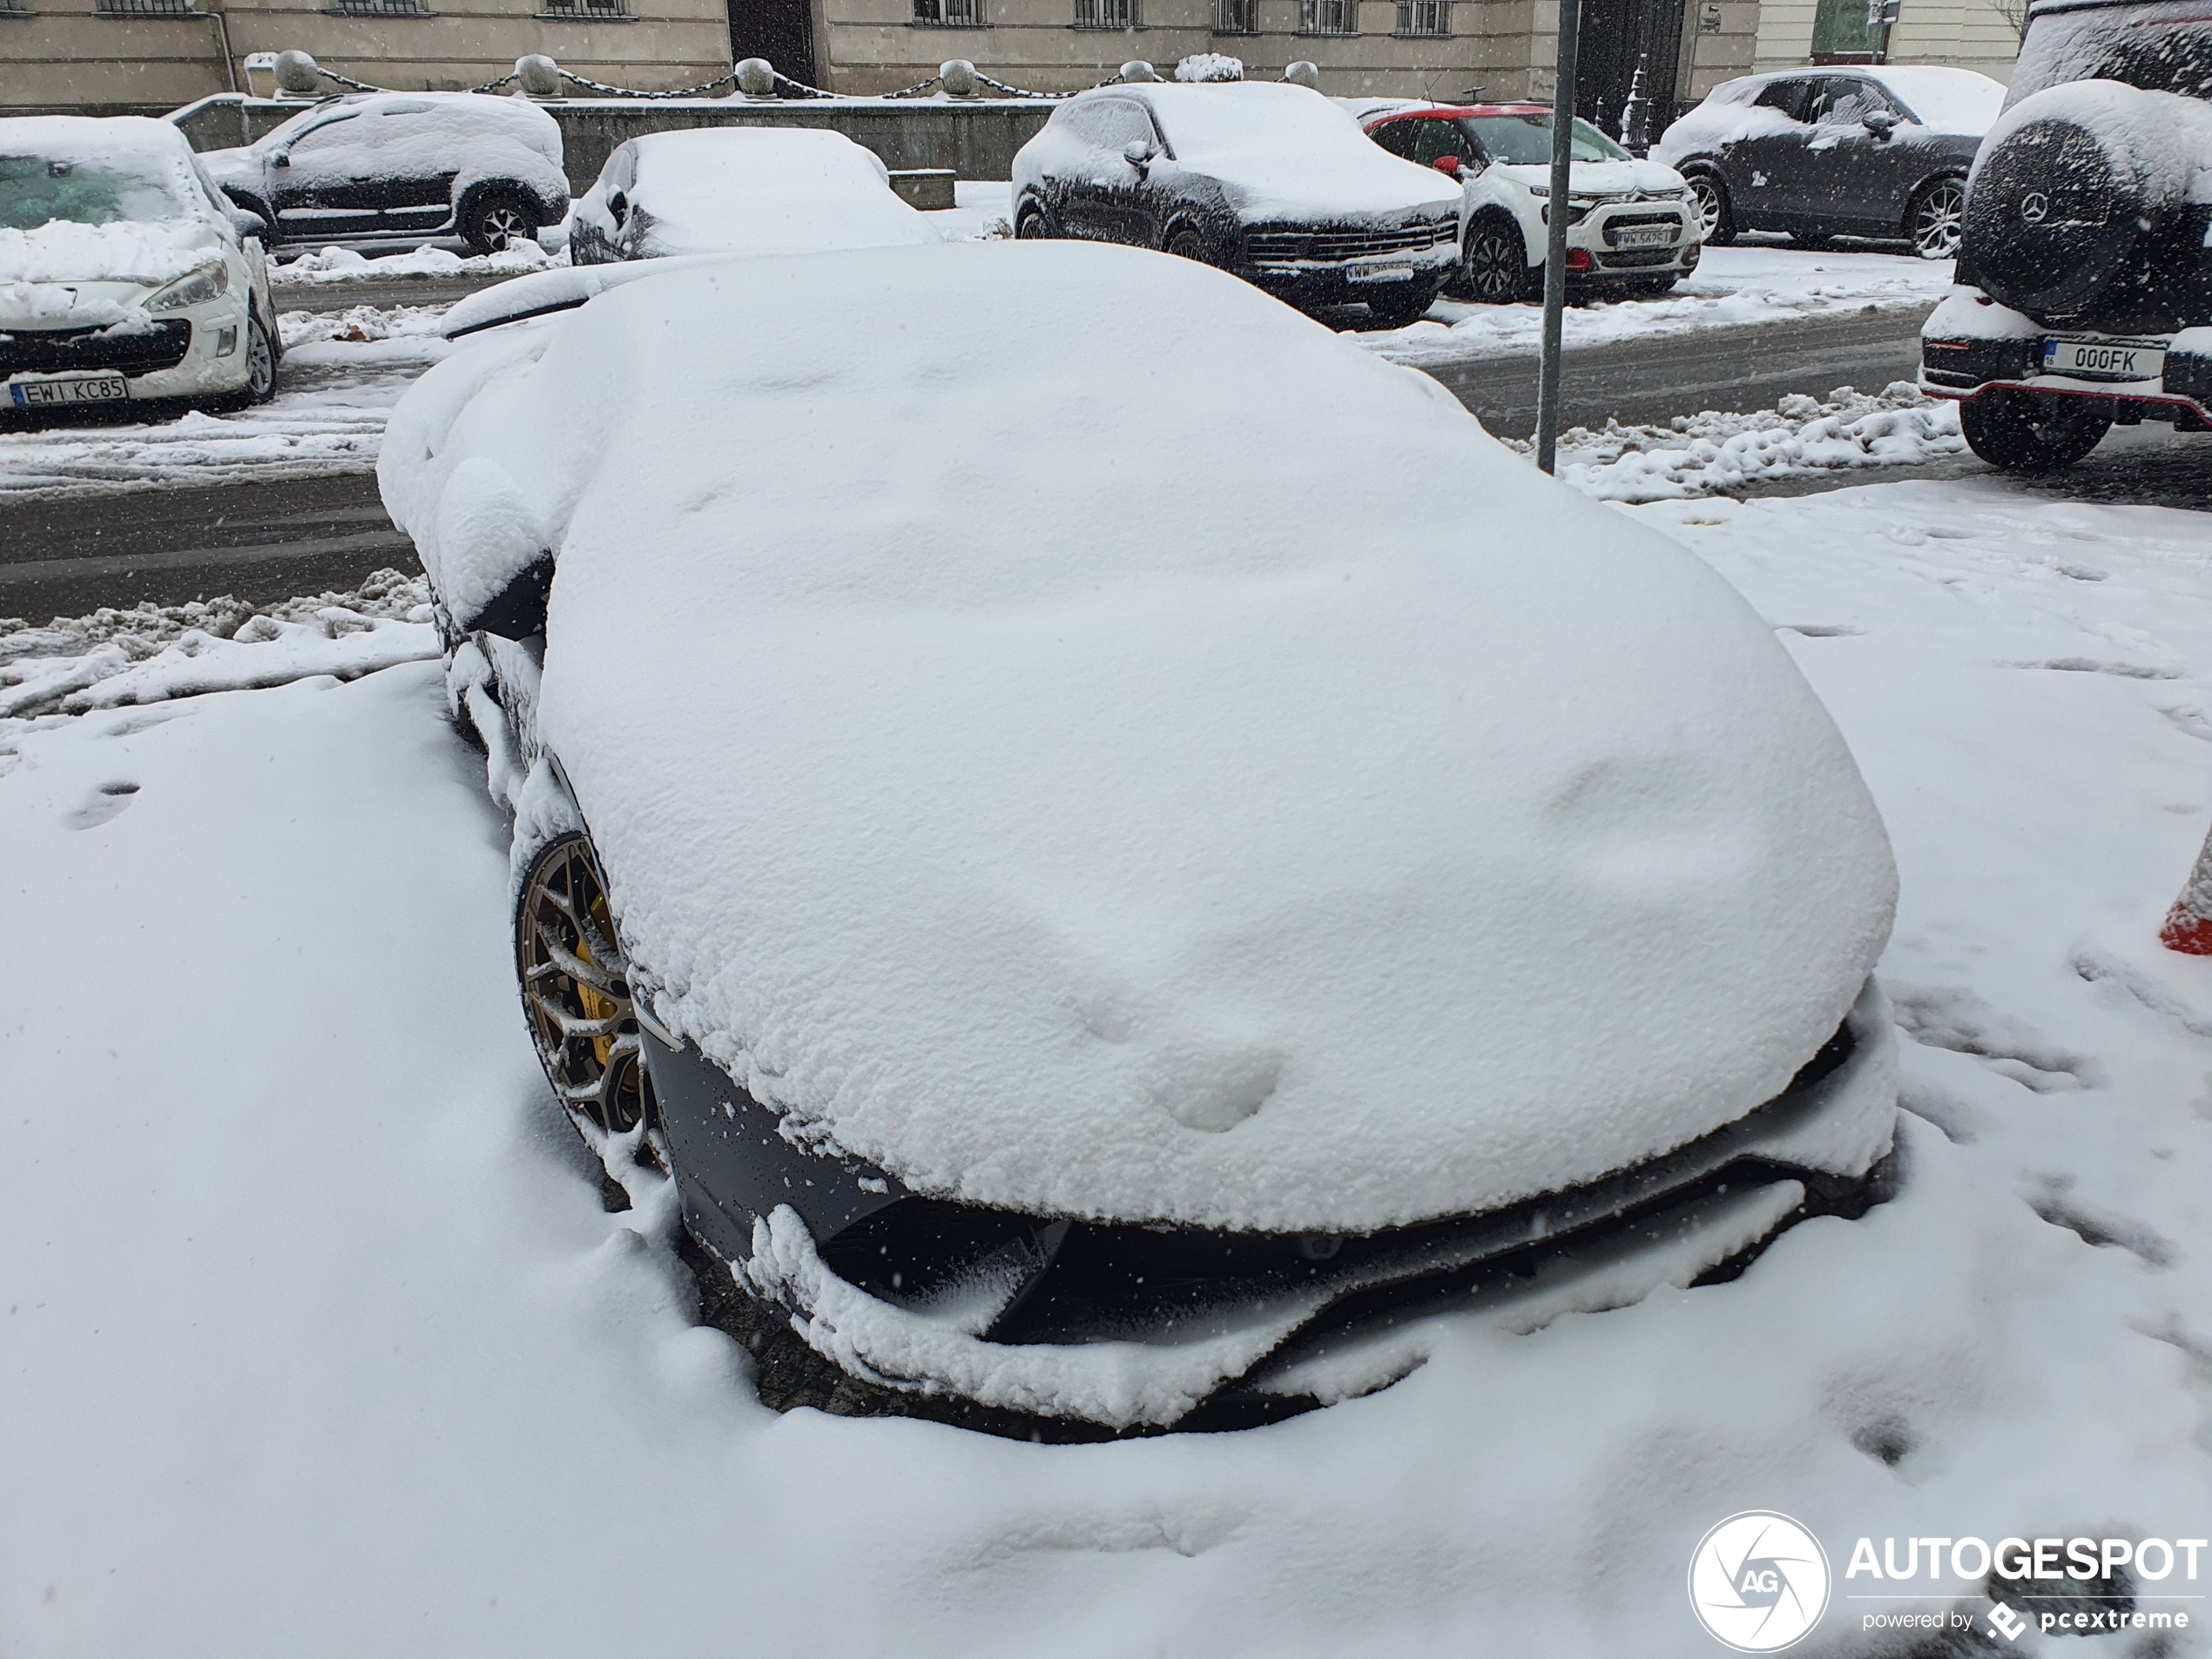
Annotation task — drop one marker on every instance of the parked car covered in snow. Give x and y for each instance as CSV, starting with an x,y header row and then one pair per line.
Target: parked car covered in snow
x,y
406,167
1265,179
1848,150
124,276
1629,231
739,190
1102,955
2085,276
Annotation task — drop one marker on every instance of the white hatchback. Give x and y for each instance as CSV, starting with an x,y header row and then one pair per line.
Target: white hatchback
x,y
124,276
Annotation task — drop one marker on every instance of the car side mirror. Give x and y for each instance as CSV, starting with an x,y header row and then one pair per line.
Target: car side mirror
x,y
247,224
282,158
618,205
1448,165
1879,122
1138,154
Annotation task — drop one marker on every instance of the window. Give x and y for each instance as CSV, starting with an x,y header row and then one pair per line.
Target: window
x,y
1789,97
1845,101
1424,17
584,10
949,14
1840,30
1328,17
1106,14
1399,137
14,8
1235,17
145,8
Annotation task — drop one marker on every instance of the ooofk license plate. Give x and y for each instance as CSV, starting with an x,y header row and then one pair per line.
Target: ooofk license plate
x,y
2104,359
77,388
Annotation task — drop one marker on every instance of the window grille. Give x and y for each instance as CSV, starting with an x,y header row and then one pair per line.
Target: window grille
x,y
950,14
145,8
586,9
1235,17
1424,17
379,8
1328,17
1106,14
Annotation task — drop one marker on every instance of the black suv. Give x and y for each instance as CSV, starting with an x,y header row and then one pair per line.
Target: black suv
x,y
2086,264
404,167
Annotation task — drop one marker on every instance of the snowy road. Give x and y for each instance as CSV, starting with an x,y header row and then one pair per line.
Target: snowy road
x,y
318,1340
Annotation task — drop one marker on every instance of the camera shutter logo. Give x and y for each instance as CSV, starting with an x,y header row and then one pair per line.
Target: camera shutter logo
x,y
1758,1581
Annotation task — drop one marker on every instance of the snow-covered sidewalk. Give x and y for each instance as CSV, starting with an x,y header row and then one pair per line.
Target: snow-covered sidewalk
x,y
318,1339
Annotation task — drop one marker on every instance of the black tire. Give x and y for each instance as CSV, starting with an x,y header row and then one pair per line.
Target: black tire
x,y
1402,310
1033,226
261,362
575,984
1494,263
2023,432
1937,216
1709,197
1186,244
495,219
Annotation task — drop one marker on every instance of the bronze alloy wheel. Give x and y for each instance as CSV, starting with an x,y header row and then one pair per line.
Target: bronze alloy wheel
x,y
575,990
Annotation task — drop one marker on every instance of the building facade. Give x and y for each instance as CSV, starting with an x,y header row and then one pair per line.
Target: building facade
x,y
97,56
1971,34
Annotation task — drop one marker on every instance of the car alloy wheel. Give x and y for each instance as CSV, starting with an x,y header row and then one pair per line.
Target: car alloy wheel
x,y
1497,265
1033,227
261,362
1706,196
575,990
496,222
1936,214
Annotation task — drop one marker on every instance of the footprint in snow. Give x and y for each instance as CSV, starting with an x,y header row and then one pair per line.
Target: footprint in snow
x,y
108,803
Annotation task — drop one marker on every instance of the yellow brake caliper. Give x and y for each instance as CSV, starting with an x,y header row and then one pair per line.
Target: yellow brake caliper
x,y
598,1005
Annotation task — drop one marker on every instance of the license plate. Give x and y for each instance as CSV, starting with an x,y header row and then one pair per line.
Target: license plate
x,y
1381,274
1644,236
81,389
2103,360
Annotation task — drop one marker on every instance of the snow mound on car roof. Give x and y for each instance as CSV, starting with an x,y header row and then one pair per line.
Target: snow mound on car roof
x,y
1087,739
1945,100
768,190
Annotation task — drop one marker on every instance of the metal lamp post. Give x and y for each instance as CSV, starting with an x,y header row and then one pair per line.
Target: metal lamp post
x,y
1570,21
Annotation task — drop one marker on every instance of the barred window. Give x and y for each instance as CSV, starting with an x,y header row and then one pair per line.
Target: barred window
x,y
145,8
585,10
950,14
1424,17
1235,17
379,8
1106,14
14,8
1328,17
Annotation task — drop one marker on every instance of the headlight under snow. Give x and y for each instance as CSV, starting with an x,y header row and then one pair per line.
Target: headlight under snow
x,y
196,288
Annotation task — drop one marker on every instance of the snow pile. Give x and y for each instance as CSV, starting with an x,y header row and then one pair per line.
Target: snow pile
x,y
1731,288
343,265
1210,66
2159,144
1318,832
151,653
349,1310
1713,453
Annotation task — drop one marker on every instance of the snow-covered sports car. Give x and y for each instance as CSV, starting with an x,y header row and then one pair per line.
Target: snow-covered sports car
x,y
1070,814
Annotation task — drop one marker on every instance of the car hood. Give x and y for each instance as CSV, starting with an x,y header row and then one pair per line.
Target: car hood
x,y
1180,769
1351,188
235,166
1603,177
128,254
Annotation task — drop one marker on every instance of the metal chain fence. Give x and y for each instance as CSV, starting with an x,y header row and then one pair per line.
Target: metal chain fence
x,y
800,87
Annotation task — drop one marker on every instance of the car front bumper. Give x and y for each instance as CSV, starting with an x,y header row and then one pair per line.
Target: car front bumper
x,y
1326,281
1100,1329
198,352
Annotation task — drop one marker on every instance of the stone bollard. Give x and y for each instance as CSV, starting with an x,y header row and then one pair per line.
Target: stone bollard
x,y
298,74
757,78
1137,69
1304,73
538,75
958,79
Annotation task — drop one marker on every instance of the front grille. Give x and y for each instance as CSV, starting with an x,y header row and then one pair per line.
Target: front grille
x,y
1346,245
1636,258
47,350
1620,222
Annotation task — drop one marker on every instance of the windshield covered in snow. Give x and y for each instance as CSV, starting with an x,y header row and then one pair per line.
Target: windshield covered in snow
x,y
1525,140
37,190
2164,48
